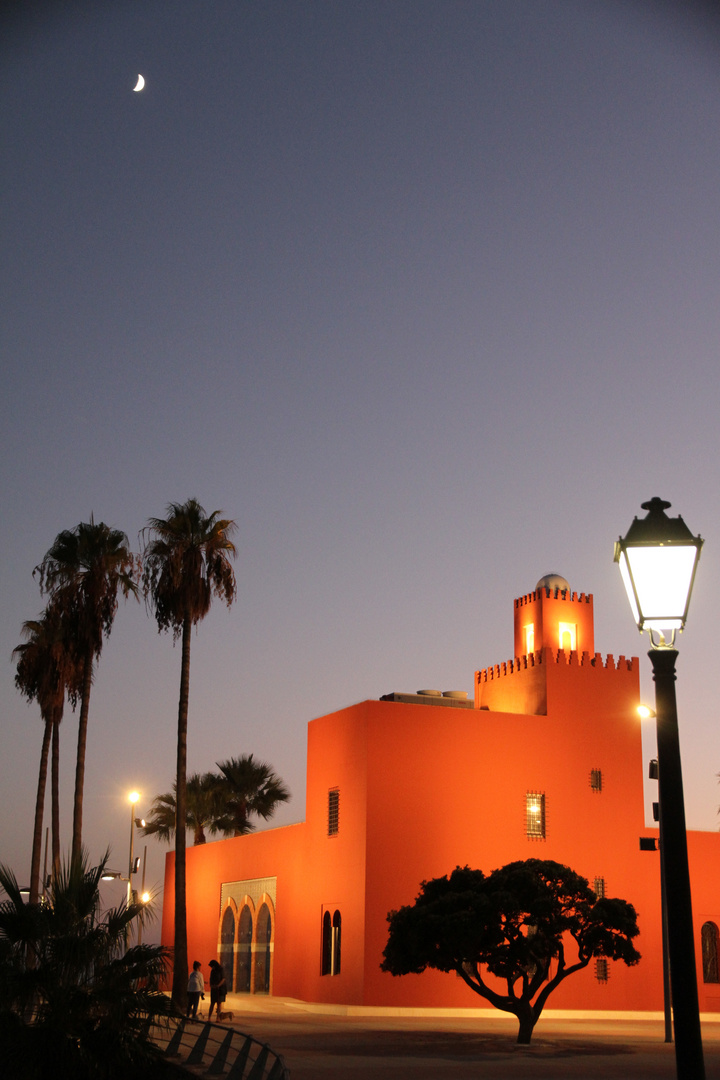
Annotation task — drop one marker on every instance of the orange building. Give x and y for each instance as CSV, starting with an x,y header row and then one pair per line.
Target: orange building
x,y
546,762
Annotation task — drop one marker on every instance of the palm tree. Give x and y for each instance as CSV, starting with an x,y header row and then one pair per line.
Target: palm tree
x,y
220,803
83,572
45,672
201,809
247,788
84,1005
185,564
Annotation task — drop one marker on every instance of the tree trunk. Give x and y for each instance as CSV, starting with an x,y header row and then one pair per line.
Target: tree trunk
x,y
80,764
55,787
180,963
39,812
527,1022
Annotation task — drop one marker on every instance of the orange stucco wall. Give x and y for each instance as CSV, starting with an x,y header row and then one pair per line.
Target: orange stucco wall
x,y
423,788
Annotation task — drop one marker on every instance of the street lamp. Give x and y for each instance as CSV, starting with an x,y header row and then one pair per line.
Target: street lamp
x,y
133,797
658,558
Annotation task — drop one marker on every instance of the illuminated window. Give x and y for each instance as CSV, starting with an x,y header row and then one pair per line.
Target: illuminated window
x,y
596,779
535,816
331,930
333,812
529,639
568,636
709,937
601,969
599,887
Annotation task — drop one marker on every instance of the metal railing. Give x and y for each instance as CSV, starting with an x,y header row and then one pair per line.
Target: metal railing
x,y
214,1050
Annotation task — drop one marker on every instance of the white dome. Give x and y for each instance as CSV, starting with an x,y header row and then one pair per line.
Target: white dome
x,y
553,581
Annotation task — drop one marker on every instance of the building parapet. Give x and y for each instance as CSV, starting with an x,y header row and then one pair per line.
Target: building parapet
x,y
557,594
555,656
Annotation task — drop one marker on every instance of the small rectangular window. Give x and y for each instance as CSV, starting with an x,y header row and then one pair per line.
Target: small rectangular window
x,y
599,887
596,779
601,969
333,812
535,815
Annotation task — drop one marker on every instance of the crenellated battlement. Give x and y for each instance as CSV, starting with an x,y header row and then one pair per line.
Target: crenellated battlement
x,y
559,657
555,594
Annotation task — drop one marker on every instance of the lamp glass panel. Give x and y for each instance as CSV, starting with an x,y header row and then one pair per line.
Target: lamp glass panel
x,y
662,576
627,582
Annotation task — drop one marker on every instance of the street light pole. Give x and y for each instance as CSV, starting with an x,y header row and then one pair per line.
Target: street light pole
x,y
133,797
654,774
658,558
683,975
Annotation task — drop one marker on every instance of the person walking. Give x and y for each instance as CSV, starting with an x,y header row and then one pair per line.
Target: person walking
x,y
195,990
218,988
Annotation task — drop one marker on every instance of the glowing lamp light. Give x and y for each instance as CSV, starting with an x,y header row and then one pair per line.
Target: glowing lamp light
x,y
658,558
134,796
645,712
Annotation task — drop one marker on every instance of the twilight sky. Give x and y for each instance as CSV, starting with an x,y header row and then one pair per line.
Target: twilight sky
x,y
424,293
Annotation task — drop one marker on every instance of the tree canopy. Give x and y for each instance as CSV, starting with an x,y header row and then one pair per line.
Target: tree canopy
x,y
530,924
224,802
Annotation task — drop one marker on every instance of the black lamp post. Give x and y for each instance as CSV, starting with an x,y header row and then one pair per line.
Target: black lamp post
x,y
658,559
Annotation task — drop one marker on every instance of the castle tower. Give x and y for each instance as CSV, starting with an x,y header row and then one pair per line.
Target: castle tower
x,y
554,659
552,617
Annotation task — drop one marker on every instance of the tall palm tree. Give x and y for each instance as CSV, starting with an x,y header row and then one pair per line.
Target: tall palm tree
x,y
186,563
45,671
83,572
201,809
248,788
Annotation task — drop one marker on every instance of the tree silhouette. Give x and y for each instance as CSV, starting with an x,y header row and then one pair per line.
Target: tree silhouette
x,y
186,563
517,922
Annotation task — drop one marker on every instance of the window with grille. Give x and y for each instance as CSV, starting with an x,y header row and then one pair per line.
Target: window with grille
x,y
599,887
596,779
333,812
535,815
601,969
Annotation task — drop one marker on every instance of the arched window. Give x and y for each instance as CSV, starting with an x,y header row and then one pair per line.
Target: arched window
x,y
244,953
331,934
326,962
227,944
709,936
336,928
263,953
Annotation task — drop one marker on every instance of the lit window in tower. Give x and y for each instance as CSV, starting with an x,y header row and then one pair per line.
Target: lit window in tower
x,y
568,636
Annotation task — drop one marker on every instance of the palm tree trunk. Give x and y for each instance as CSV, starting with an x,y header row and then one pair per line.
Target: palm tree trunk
x,y
180,965
80,764
55,788
39,812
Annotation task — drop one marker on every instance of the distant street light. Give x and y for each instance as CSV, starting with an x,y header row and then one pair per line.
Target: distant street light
x,y
658,558
134,797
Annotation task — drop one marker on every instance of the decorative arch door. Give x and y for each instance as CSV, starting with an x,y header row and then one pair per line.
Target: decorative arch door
x,y
263,951
227,944
244,951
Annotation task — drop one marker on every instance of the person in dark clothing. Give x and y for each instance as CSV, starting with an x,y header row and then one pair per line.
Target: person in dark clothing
x,y
218,988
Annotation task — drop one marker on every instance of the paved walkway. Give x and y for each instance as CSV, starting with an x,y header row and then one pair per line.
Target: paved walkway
x,y
318,1045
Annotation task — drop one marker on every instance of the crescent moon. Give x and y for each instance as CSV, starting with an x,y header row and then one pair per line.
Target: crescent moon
x,y
140,83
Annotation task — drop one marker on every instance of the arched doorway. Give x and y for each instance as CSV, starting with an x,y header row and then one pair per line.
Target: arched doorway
x,y
710,939
244,951
263,951
227,944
